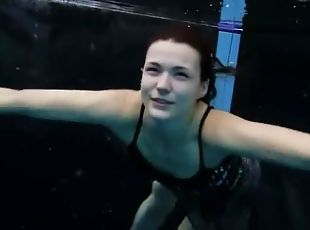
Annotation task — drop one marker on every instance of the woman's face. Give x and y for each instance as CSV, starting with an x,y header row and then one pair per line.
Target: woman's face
x,y
171,72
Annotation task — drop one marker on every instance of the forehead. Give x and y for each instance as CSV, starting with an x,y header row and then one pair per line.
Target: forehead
x,y
173,53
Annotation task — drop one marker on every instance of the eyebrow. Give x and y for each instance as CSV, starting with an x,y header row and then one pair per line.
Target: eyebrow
x,y
175,67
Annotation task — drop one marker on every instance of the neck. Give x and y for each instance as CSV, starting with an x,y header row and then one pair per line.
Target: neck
x,y
176,127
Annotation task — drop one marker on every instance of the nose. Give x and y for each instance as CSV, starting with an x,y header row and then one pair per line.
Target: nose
x,y
163,83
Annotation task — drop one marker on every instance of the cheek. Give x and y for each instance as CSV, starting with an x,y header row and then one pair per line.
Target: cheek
x,y
145,87
181,89
185,89
146,82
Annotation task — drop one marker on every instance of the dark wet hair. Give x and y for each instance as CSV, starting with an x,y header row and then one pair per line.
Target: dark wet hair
x,y
194,37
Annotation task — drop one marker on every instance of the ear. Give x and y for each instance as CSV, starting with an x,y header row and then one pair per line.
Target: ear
x,y
203,89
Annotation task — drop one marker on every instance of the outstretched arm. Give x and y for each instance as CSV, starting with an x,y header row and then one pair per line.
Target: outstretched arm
x,y
105,106
257,140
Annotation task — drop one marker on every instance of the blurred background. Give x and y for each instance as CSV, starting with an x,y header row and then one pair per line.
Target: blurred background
x,y
62,175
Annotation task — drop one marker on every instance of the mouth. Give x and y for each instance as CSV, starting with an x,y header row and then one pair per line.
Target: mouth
x,y
162,101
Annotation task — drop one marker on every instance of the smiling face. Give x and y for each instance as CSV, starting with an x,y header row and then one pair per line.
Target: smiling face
x,y
171,72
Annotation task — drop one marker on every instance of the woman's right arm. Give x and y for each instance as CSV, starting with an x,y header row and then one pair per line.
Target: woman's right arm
x,y
105,107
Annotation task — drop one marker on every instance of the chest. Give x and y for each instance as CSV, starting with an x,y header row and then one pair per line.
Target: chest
x,y
180,159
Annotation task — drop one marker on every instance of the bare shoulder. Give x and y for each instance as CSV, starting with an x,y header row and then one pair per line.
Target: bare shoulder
x,y
124,129
220,127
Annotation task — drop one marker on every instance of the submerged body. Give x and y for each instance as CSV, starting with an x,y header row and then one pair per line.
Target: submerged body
x,y
184,167
197,178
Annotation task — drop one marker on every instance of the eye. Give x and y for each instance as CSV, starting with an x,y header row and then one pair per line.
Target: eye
x,y
182,74
152,70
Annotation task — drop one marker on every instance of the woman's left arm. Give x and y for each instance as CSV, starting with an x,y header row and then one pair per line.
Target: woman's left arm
x,y
266,142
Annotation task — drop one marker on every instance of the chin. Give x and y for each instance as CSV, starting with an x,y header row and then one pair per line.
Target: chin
x,y
159,114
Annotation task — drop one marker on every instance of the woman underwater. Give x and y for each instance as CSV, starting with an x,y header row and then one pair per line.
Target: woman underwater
x,y
201,160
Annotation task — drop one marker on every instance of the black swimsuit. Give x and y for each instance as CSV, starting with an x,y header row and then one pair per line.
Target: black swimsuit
x,y
226,176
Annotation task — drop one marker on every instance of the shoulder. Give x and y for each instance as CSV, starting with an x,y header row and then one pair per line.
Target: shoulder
x,y
133,105
220,127
126,128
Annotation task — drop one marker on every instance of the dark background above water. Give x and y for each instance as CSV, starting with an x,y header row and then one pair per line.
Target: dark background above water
x,y
61,175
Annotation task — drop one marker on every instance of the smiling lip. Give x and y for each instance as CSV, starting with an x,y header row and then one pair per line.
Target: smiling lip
x,y
162,101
